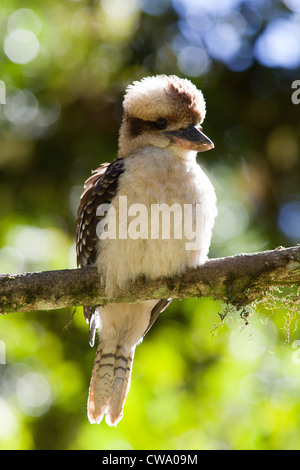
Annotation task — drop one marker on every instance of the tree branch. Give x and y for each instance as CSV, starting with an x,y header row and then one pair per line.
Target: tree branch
x,y
238,280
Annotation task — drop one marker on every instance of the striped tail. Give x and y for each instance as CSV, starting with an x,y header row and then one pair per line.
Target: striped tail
x,y
110,383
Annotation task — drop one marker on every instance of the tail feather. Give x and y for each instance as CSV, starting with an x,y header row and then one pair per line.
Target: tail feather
x,y
121,327
101,384
120,388
110,384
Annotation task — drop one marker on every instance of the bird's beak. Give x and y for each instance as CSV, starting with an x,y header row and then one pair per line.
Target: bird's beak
x,y
190,138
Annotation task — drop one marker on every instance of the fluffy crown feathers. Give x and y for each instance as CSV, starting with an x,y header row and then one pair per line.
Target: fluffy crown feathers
x,y
161,94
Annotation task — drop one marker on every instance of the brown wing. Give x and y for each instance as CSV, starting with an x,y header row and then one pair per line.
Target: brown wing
x,y
157,309
99,189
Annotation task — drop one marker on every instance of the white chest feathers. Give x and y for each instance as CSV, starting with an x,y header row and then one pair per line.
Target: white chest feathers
x,y
159,223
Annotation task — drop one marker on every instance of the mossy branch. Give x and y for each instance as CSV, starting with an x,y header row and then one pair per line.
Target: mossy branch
x,y
238,280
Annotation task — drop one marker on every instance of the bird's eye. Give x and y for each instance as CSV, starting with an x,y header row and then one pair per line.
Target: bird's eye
x,y
161,123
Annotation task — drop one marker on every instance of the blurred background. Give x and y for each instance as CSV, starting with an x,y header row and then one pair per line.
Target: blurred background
x,y
64,66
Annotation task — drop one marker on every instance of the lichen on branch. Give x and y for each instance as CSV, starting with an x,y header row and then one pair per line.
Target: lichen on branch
x,y
238,280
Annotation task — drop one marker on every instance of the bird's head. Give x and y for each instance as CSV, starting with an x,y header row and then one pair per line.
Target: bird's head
x,y
163,111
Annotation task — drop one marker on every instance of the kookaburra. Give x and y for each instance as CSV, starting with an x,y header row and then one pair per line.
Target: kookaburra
x,y
156,167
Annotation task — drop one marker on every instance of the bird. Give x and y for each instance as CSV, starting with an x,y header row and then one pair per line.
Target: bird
x,y
159,138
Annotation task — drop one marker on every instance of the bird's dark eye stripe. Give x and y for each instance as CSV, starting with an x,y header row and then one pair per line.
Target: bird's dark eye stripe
x,y
137,126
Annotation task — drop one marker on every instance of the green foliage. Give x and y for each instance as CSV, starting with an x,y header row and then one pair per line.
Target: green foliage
x,y
65,66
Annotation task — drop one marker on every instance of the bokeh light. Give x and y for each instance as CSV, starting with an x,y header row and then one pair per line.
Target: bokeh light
x,y
24,18
289,220
293,5
193,61
21,46
279,45
9,424
154,7
34,394
22,107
